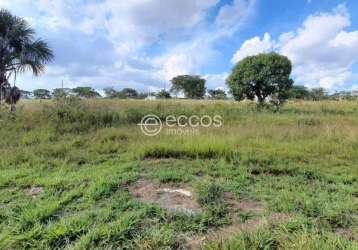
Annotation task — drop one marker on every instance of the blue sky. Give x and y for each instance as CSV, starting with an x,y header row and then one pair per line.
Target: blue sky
x,y
144,43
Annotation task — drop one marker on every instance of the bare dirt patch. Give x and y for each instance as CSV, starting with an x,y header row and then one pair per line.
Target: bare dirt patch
x,y
198,241
237,226
244,205
347,233
36,191
255,208
181,198
173,197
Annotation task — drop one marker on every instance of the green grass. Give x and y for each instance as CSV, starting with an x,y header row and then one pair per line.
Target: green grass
x,y
301,161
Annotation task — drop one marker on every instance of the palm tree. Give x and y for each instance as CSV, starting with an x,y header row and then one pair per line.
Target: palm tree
x,y
19,52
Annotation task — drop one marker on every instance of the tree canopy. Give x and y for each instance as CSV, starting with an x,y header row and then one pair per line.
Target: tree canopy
x,y
261,76
163,94
128,93
85,92
192,86
110,92
318,94
42,94
298,92
62,92
217,94
26,94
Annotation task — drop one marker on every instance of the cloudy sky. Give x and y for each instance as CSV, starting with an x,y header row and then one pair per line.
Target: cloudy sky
x,y
144,43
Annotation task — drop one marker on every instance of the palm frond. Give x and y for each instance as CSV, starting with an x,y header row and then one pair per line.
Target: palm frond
x,y
34,56
18,50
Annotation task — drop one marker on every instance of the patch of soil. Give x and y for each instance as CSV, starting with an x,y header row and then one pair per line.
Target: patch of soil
x,y
180,198
347,233
173,197
198,241
36,191
244,205
221,234
237,226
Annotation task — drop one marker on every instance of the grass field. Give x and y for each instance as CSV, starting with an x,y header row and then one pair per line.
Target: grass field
x,y
66,170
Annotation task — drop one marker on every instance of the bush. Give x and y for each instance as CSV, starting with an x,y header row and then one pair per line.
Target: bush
x,y
209,193
71,115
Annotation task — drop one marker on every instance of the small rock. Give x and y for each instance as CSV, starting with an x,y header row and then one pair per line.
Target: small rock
x,y
36,191
180,191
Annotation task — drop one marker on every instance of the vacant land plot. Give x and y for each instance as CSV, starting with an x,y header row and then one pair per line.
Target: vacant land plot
x,y
81,175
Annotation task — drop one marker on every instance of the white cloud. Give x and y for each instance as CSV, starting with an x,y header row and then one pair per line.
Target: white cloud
x,y
254,46
321,50
216,81
130,25
233,14
188,57
133,22
182,29
50,14
185,58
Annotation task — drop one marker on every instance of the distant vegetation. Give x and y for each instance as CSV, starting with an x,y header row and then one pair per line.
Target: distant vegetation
x,y
42,94
265,77
85,92
163,94
217,94
193,87
296,92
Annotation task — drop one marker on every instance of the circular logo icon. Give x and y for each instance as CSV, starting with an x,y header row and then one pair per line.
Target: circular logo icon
x,y
151,125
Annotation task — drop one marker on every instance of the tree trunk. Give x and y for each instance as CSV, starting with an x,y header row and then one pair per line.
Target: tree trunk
x,y
13,108
261,100
3,82
2,77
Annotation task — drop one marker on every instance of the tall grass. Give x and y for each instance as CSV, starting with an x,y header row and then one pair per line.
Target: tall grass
x,y
301,161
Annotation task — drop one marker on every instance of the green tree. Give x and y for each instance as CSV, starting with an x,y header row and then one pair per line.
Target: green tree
x,y
144,95
261,76
318,94
345,95
42,94
85,92
25,94
192,86
217,94
298,92
163,94
110,92
61,93
128,93
19,52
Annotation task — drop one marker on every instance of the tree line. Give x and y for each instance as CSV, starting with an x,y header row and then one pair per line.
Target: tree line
x,y
296,92
112,93
265,78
